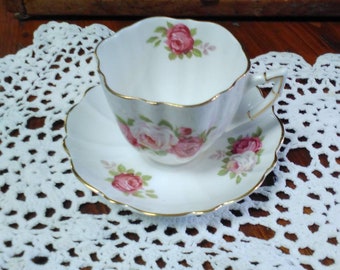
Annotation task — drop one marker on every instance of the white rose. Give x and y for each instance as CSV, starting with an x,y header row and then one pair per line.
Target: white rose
x,y
240,163
149,135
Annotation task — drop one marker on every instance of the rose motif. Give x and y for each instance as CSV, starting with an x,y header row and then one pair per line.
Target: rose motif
x,y
127,182
179,39
158,138
240,163
253,144
187,147
241,155
163,138
184,131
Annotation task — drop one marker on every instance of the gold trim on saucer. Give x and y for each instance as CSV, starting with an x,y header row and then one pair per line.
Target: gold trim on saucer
x,y
149,213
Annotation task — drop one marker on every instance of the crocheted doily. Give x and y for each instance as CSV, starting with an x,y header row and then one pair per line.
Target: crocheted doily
x,y
45,223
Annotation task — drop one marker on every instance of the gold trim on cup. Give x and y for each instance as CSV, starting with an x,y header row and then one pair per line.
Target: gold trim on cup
x,y
151,102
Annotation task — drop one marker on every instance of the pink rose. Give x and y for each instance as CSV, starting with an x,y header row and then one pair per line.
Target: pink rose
x,y
158,138
187,147
127,133
185,131
253,144
179,39
240,163
127,182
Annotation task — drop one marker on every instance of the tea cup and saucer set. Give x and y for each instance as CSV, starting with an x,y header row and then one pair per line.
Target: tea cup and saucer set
x,y
177,125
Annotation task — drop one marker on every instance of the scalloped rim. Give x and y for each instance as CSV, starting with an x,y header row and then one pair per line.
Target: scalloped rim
x,y
151,102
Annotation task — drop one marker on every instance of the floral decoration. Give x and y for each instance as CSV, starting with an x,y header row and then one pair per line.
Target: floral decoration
x,y
129,181
241,155
162,138
179,41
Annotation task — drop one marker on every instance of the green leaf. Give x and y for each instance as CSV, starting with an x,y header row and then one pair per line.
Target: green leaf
x,y
121,119
225,160
138,194
138,174
157,43
231,140
258,160
177,133
161,29
152,39
197,42
132,171
188,54
180,56
130,122
197,52
152,195
121,168
113,173
193,31
172,56
204,135
144,118
170,25
108,179
161,153
232,175
238,179
257,133
166,123
208,132
222,172
146,177
150,191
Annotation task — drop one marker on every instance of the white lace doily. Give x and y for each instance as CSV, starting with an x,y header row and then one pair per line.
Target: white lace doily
x,y
44,220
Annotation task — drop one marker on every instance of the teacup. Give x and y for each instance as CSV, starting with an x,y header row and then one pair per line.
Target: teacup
x,y
175,85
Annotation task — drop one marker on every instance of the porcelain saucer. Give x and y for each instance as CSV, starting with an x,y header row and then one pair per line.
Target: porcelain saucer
x,y
233,168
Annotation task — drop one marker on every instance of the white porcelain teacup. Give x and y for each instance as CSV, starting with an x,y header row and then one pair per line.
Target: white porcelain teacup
x,y
175,85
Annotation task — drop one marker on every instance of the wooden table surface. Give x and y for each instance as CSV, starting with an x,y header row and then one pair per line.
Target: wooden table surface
x,y
306,38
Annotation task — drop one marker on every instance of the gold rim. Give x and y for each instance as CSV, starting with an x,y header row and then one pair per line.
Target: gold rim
x,y
148,213
151,102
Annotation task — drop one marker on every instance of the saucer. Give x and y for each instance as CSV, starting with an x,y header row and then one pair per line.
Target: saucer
x,y
231,169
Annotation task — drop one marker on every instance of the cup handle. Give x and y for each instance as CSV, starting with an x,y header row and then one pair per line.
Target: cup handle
x,y
277,77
